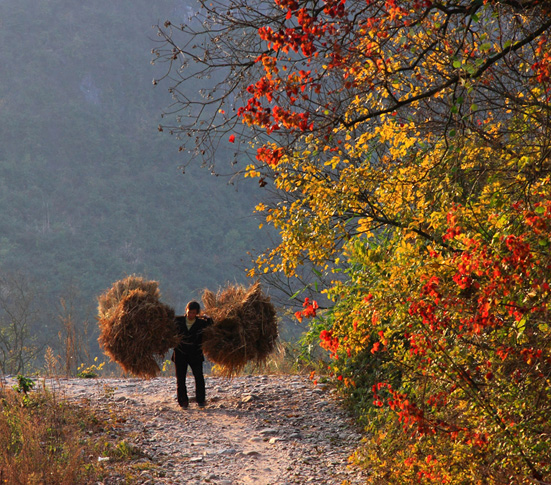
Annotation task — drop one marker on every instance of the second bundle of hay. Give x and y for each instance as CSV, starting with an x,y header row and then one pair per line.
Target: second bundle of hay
x,y
245,327
136,329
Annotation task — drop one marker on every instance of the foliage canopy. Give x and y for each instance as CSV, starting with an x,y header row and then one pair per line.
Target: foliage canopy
x,y
409,146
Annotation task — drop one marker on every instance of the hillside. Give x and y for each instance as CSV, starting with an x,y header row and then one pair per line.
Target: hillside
x,y
90,190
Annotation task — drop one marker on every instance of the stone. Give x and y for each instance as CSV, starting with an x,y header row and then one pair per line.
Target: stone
x,y
248,398
256,429
228,451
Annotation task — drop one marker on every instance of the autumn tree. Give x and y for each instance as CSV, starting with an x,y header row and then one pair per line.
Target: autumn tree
x,y
408,143
404,92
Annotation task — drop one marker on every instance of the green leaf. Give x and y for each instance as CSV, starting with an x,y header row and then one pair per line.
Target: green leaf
x,y
457,64
521,327
470,68
486,47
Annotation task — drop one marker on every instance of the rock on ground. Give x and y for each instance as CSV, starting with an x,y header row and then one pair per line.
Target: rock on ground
x,y
254,430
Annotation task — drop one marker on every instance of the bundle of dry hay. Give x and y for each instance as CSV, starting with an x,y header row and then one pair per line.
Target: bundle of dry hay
x,y
245,327
136,329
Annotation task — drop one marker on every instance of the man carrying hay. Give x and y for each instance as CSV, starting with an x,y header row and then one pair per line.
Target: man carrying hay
x,y
190,352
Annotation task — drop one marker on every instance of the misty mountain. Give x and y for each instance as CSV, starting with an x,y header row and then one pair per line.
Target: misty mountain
x,y
90,191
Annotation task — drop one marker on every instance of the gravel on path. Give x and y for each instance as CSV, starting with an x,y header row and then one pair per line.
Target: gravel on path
x,y
258,429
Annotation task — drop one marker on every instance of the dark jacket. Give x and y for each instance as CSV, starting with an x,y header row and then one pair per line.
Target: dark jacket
x,y
190,348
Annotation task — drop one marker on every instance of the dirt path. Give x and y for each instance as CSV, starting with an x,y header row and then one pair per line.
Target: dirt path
x,y
254,430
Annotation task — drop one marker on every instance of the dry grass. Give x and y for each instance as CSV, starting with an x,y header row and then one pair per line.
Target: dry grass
x,y
47,440
245,327
136,328
286,359
109,300
42,440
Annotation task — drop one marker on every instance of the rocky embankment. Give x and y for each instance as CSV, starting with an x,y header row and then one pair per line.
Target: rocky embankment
x,y
254,430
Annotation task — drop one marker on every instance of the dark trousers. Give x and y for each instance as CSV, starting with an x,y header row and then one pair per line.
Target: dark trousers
x,y
181,373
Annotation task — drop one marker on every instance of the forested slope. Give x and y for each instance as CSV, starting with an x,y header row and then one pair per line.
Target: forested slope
x,y
90,189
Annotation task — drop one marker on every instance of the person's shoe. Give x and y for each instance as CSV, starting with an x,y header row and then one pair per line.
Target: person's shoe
x,y
201,404
184,405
